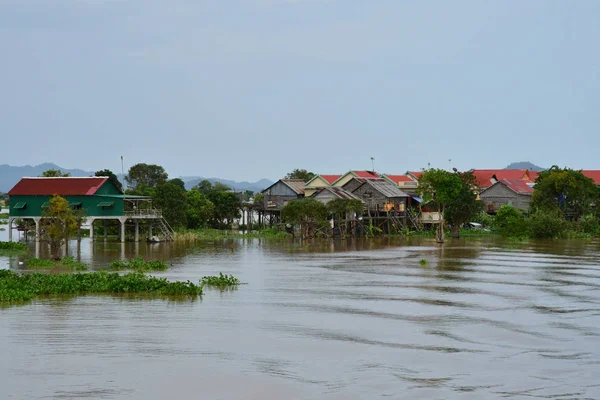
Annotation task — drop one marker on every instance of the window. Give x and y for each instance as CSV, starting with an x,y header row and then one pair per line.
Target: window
x,y
20,206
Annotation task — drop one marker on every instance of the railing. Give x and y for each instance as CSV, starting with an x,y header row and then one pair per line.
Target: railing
x,y
143,213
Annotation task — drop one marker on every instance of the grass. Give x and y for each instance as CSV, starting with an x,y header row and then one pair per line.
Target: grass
x,y
65,263
215,234
423,261
15,287
221,281
139,265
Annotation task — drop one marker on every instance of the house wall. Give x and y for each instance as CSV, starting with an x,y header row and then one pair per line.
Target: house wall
x,y
499,195
315,185
343,180
278,195
325,196
89,205
376,201
352,185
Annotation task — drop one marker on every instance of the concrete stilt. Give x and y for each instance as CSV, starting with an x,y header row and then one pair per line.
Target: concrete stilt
x,y
37,229
92,229
123,230
105,222
10,222
150,230
137,230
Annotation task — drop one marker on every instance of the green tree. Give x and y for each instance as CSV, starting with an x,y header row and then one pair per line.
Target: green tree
x,y
55,173
566,190
227,207
111,175
465,206
172,200
442,188
220,187
511,222
548,224
259,199
340,209
300,174
58,223
144,178
200,210
179,182
309,213
204,186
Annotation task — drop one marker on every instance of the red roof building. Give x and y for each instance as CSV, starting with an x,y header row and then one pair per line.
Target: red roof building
x,y
330,178
63,186
592,174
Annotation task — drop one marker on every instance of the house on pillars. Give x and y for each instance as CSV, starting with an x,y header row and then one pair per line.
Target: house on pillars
x,y
97,198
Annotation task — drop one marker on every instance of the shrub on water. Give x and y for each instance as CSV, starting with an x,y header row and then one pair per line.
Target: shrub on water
x,y
15,287
220,281
589,224
511,222
548,225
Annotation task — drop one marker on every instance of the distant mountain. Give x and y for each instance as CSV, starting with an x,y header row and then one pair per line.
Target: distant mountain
x,y
191,181
524,165
9,175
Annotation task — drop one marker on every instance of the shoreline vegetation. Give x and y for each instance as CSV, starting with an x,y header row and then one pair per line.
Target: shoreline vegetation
x,y
20,287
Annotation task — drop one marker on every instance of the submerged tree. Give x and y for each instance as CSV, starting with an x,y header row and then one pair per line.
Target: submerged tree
x,y
59,222
454,194
309,213
342,209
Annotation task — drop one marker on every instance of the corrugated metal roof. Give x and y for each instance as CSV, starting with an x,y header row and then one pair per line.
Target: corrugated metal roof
x,y
297,185
592,174
366,174
63,186
339,193
483,177
384,187
519,185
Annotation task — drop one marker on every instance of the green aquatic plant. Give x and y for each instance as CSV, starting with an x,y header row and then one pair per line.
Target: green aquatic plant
x,y
16,287
221,281
138,264
13,246
423,261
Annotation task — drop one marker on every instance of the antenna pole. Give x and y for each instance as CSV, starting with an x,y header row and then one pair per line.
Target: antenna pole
x,y
122,171
373,163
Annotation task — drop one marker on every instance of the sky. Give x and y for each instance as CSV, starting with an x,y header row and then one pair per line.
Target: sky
x,y
250,89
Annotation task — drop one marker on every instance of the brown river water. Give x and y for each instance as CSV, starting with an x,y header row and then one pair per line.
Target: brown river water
x,y
363,319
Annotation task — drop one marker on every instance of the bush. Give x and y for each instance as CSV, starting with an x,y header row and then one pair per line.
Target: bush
x,y
484,219
548,225
589,224
511,222
13,246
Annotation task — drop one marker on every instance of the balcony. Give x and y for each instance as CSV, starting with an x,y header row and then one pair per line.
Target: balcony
x,y
143,213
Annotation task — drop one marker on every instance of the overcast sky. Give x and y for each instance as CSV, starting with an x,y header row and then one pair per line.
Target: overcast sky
x,y
246,89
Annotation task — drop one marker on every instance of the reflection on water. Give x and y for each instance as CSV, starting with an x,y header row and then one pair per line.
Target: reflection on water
x,y
347,319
